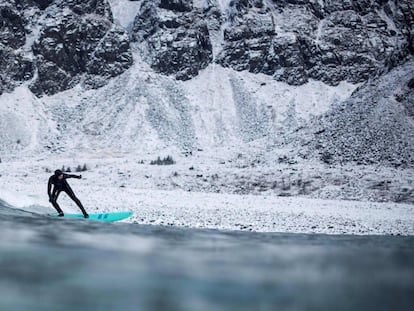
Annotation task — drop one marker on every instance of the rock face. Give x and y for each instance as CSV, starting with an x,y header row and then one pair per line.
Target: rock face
x,y
291,40
79,45
77,42
174,37
14,66
331,41
82,7
65,42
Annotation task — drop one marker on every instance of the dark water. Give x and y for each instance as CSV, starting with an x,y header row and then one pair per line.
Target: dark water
x,y
57,264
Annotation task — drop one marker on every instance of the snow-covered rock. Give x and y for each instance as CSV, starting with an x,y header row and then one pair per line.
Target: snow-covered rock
x,y
70,41
14,66
291,40
331,41
173,37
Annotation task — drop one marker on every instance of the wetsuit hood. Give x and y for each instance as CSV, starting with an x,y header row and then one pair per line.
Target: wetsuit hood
x,y
58,173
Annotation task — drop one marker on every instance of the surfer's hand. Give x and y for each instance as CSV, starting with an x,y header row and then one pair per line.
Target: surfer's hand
x,y
80,176
50,199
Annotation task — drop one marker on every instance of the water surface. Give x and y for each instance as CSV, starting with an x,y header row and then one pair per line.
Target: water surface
x,y
58,264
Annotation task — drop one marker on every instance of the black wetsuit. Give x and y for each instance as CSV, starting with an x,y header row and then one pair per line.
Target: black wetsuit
x,y
60,185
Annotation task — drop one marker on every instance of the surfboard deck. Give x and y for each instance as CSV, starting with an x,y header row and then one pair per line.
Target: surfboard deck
x,y
105,217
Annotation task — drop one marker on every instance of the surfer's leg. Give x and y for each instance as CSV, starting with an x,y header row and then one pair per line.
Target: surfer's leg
x,y
55,196
72,195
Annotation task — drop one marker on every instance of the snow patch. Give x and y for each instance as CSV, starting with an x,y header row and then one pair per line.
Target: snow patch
x,y
124,11
22,121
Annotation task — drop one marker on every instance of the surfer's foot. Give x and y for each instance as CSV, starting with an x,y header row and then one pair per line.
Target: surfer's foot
x,y
61,215
86,215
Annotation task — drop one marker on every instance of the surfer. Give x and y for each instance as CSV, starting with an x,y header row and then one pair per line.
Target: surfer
x,y
58,180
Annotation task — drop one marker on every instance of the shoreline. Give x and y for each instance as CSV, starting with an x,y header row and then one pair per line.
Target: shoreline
x,y
233,212
113,185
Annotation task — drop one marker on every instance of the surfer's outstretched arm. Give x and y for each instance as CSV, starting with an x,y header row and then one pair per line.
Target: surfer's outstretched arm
x,y
72,176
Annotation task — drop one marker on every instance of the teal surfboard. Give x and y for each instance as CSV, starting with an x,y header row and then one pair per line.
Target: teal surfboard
x,y
106,217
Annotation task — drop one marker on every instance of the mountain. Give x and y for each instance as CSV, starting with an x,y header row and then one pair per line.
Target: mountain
x,y
329,82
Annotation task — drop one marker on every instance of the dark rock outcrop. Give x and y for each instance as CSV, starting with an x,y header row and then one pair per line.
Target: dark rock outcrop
x,y
78,42
174,37
12,33
80,45
14,66
41,4
291,40
82,7
176,5
331,41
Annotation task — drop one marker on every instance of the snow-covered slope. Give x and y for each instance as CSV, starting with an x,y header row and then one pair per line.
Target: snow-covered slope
x,y
375,125
140,111
143,112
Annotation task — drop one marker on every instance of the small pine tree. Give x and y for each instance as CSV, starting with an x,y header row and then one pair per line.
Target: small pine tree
x,y
84,168
78,169
168,160
165,161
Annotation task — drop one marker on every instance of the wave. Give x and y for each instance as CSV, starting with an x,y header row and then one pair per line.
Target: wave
x,y
8,209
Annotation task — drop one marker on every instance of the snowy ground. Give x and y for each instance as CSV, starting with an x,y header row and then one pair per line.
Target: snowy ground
x,y
156,196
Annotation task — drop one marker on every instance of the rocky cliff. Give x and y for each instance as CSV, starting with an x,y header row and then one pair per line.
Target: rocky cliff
x,y
331,41
174,37
15,67
292,40
60,43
